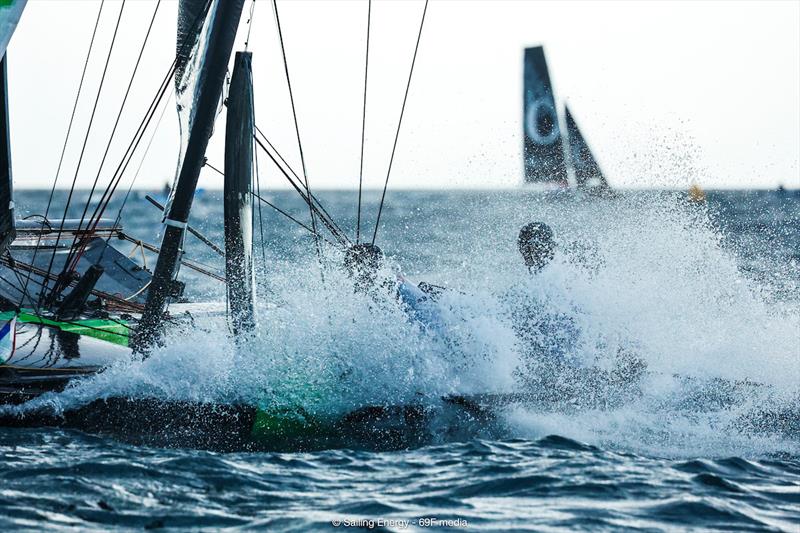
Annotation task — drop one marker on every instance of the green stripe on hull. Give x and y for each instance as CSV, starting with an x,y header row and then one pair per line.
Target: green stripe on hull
x,y
115,332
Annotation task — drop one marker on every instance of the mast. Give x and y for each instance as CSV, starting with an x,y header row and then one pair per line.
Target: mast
x,y
10,13
212,52
238,198
544,153
6,183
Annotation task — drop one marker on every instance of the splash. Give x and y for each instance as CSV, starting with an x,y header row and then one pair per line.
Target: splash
x,y
643,277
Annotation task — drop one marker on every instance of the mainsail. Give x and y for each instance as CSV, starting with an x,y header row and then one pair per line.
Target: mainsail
x,y
194,18
10,12
587,171
544,152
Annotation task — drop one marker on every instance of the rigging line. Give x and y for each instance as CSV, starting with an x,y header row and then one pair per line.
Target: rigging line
x,y
249,24
297,130
113,130
40,272
86,138
212,167
290,217
256,177
328,224
127,157
197,266
202,238
132,146
69,130
278,209
260,217
318,205
139,168
363,126
399,122
25,293
137,137
313,198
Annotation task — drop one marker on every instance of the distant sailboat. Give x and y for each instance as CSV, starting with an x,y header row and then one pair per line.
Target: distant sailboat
x,y
544,149
546,160
584,165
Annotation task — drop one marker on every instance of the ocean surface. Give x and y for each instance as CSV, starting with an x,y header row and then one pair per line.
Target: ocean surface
x,y
706,297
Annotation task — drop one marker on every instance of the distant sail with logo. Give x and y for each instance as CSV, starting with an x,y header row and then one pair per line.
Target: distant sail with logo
x,y
546,159
587,171
544,151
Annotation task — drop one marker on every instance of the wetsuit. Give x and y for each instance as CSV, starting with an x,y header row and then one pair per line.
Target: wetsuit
x,y
420,305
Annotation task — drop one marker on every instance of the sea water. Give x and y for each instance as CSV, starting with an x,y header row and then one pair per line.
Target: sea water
x,y
703,295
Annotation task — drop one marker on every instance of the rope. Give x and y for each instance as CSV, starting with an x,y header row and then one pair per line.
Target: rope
x,y
256,178
139,168
66,140
328,224
58,283
318,204
111,136
249,24
290,217
363,126
297,130
127,157
143,125
258,196
399,122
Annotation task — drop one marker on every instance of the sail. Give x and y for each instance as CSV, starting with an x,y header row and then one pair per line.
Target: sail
x,y
194,27
587,171
544,152
190,13
10,12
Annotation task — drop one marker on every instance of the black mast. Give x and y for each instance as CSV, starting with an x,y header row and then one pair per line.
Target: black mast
x,y
238,197
223,21
6,188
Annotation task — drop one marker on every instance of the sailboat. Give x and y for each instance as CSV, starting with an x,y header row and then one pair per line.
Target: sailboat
x,y
72,303
553,154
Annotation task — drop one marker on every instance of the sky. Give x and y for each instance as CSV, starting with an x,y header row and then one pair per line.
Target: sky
x,y
666,93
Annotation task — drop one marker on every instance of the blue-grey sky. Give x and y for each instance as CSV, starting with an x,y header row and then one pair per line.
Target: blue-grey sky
x,y
666,93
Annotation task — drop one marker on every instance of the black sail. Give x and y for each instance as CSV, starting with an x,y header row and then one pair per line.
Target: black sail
x,y
587,171
190,15
198,93
238,197
544,151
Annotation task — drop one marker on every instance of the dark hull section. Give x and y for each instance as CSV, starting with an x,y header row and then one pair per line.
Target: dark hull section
x,y
232,428
229,428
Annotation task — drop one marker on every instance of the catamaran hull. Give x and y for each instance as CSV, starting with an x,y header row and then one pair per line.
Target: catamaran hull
x,y
228,428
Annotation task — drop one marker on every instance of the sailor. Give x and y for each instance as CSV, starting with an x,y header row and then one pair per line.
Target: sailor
x,y
550,339
536,245
546,336
365,264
